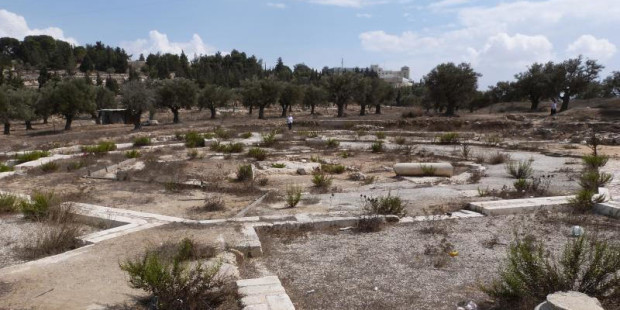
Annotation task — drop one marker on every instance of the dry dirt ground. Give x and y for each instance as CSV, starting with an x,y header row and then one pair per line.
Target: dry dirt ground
x,y
406,266
96,278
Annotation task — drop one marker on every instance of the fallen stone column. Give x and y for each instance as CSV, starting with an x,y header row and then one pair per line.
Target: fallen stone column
x,y
424,169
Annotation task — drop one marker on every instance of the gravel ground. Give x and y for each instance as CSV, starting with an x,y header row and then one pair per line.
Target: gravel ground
x,y
395,268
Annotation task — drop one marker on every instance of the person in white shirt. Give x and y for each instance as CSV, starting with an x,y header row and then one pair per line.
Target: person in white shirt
x,y
289,122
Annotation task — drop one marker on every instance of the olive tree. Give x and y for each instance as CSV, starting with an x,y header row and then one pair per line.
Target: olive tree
x,y
451,85
71,98
176,94
137,98
212,97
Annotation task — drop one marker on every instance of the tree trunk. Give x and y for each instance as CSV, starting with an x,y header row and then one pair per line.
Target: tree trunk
x,y
290,108
565,100
378,109
362,109
175,112
45,119
312,109
535,102
261,112
212,112
284,108
250,109
96,118
341,110
7,128
28,125
68,122
137,124
450,110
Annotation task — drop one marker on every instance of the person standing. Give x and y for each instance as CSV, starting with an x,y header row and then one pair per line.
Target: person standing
x,y
554,108
289,122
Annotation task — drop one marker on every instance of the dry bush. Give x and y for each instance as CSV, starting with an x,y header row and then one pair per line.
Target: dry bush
x,y
8,203
475,176
369,223
384,205
293,195
213,204
499,158
439,253
51,240
520,170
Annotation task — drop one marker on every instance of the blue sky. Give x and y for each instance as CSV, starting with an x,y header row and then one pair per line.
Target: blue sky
x,y
499,38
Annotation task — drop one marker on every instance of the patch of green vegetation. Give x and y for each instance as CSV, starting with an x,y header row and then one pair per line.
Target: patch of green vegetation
x,y
257,153
101,148
385,205
293,195
246,135
132,154
5,168
49,167
9,203
141,141
194,139
448,138
332,143
380,135
30,156
245,173
333,168
377,147
278,165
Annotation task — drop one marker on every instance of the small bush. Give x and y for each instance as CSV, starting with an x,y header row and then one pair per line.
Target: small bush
x,y
380,135
176,283
428,170
213,204
346,154
332,143
369,223
475,176
278,165
317,159
245,173
293,196
529,274
333,168
192,154
30,156
246,135
263,181
499,158
257,153
132,154
400,140
377,147
269,139
465,151
49,167
449,138
385,205
521,185
320,180
520,170
194,139
39,205
52,240
5,168
8,203
101,148
494,139
594,161
228,148
480,159
141,141
222,133
75,165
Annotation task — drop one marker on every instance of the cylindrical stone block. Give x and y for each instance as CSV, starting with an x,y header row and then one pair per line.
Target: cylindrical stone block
x,y
424,169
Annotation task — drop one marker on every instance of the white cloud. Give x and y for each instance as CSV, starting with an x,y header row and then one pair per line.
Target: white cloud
x,y
159,43
276,5
592,47
363,15
379,41
348,3
515,51
15,26
447,3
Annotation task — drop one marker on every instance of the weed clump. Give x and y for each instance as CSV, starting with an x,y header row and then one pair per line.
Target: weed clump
x,y
245,173
132,154
246,135
322,181
257,153
49,167
520,170
141,141
591,179
194,139
213,204
369,223
5,168
380,135
384,205
448,138
9,203
101,148
293,196
30,156
269,139
332,143
499,158
278,165
333,168
222,133
39,205
400,140
377,147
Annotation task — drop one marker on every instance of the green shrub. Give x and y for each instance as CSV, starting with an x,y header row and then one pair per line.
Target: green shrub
x,y
102,147
448,138
132,154
141,141
257,153
594,179
320,180
278,165
75,165
346,154
499,158
228,148
38,208
246,135
428,170
380,135
520,170
175,282
269,139
400,140
332,143
222,133
5,168
8,203
194,139
293,196
49,167
521,185
385,205
529,274
377,147
30,156
245,173
333,168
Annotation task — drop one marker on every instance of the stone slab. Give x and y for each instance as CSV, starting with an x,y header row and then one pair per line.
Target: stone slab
x,y
514,206
259,281
610,208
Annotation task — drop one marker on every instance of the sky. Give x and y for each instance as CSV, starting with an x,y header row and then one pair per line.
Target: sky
x,y
498,38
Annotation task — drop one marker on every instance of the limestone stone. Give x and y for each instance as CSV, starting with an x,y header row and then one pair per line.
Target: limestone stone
x,y
421,169
572,301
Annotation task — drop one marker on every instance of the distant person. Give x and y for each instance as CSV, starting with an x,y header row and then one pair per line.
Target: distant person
x,y
554,108
289,122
